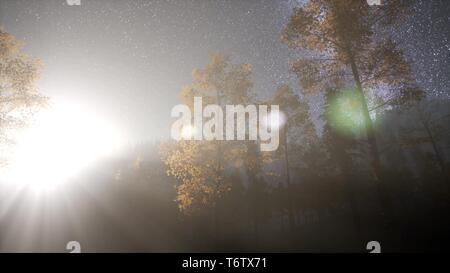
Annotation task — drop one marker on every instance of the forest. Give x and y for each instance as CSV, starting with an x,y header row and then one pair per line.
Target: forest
x,y
372,166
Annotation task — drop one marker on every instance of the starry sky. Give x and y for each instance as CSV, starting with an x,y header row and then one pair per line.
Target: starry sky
x,y
129,59
426,41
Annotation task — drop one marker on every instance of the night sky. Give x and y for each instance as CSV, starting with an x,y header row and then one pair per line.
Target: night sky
x,y
129,59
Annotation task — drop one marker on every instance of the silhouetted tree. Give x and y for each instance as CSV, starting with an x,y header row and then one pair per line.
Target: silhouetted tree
x,y
297,121
346,43
429,129
199,165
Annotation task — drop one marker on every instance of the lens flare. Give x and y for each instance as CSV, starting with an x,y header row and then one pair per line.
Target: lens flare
x,y
345,113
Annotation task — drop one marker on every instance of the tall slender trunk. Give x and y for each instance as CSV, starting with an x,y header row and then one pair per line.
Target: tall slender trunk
x,y
254,209
345,165
337,148
216,201
254,191
288,181
216,223
383,195
437,154
435,148
218,176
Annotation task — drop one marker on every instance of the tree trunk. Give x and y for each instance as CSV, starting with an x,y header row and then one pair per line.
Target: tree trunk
x,y
288,182
337,146
438,156
344,164
382,193
219,176
435,149
254,192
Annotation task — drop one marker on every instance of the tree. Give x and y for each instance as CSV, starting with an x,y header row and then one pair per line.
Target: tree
x,y
19,97
194,164
344,45
297,120
199,165
430,129
341,161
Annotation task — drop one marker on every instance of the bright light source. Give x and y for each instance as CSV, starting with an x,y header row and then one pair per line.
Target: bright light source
x,y
65,138
275,120
187,132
